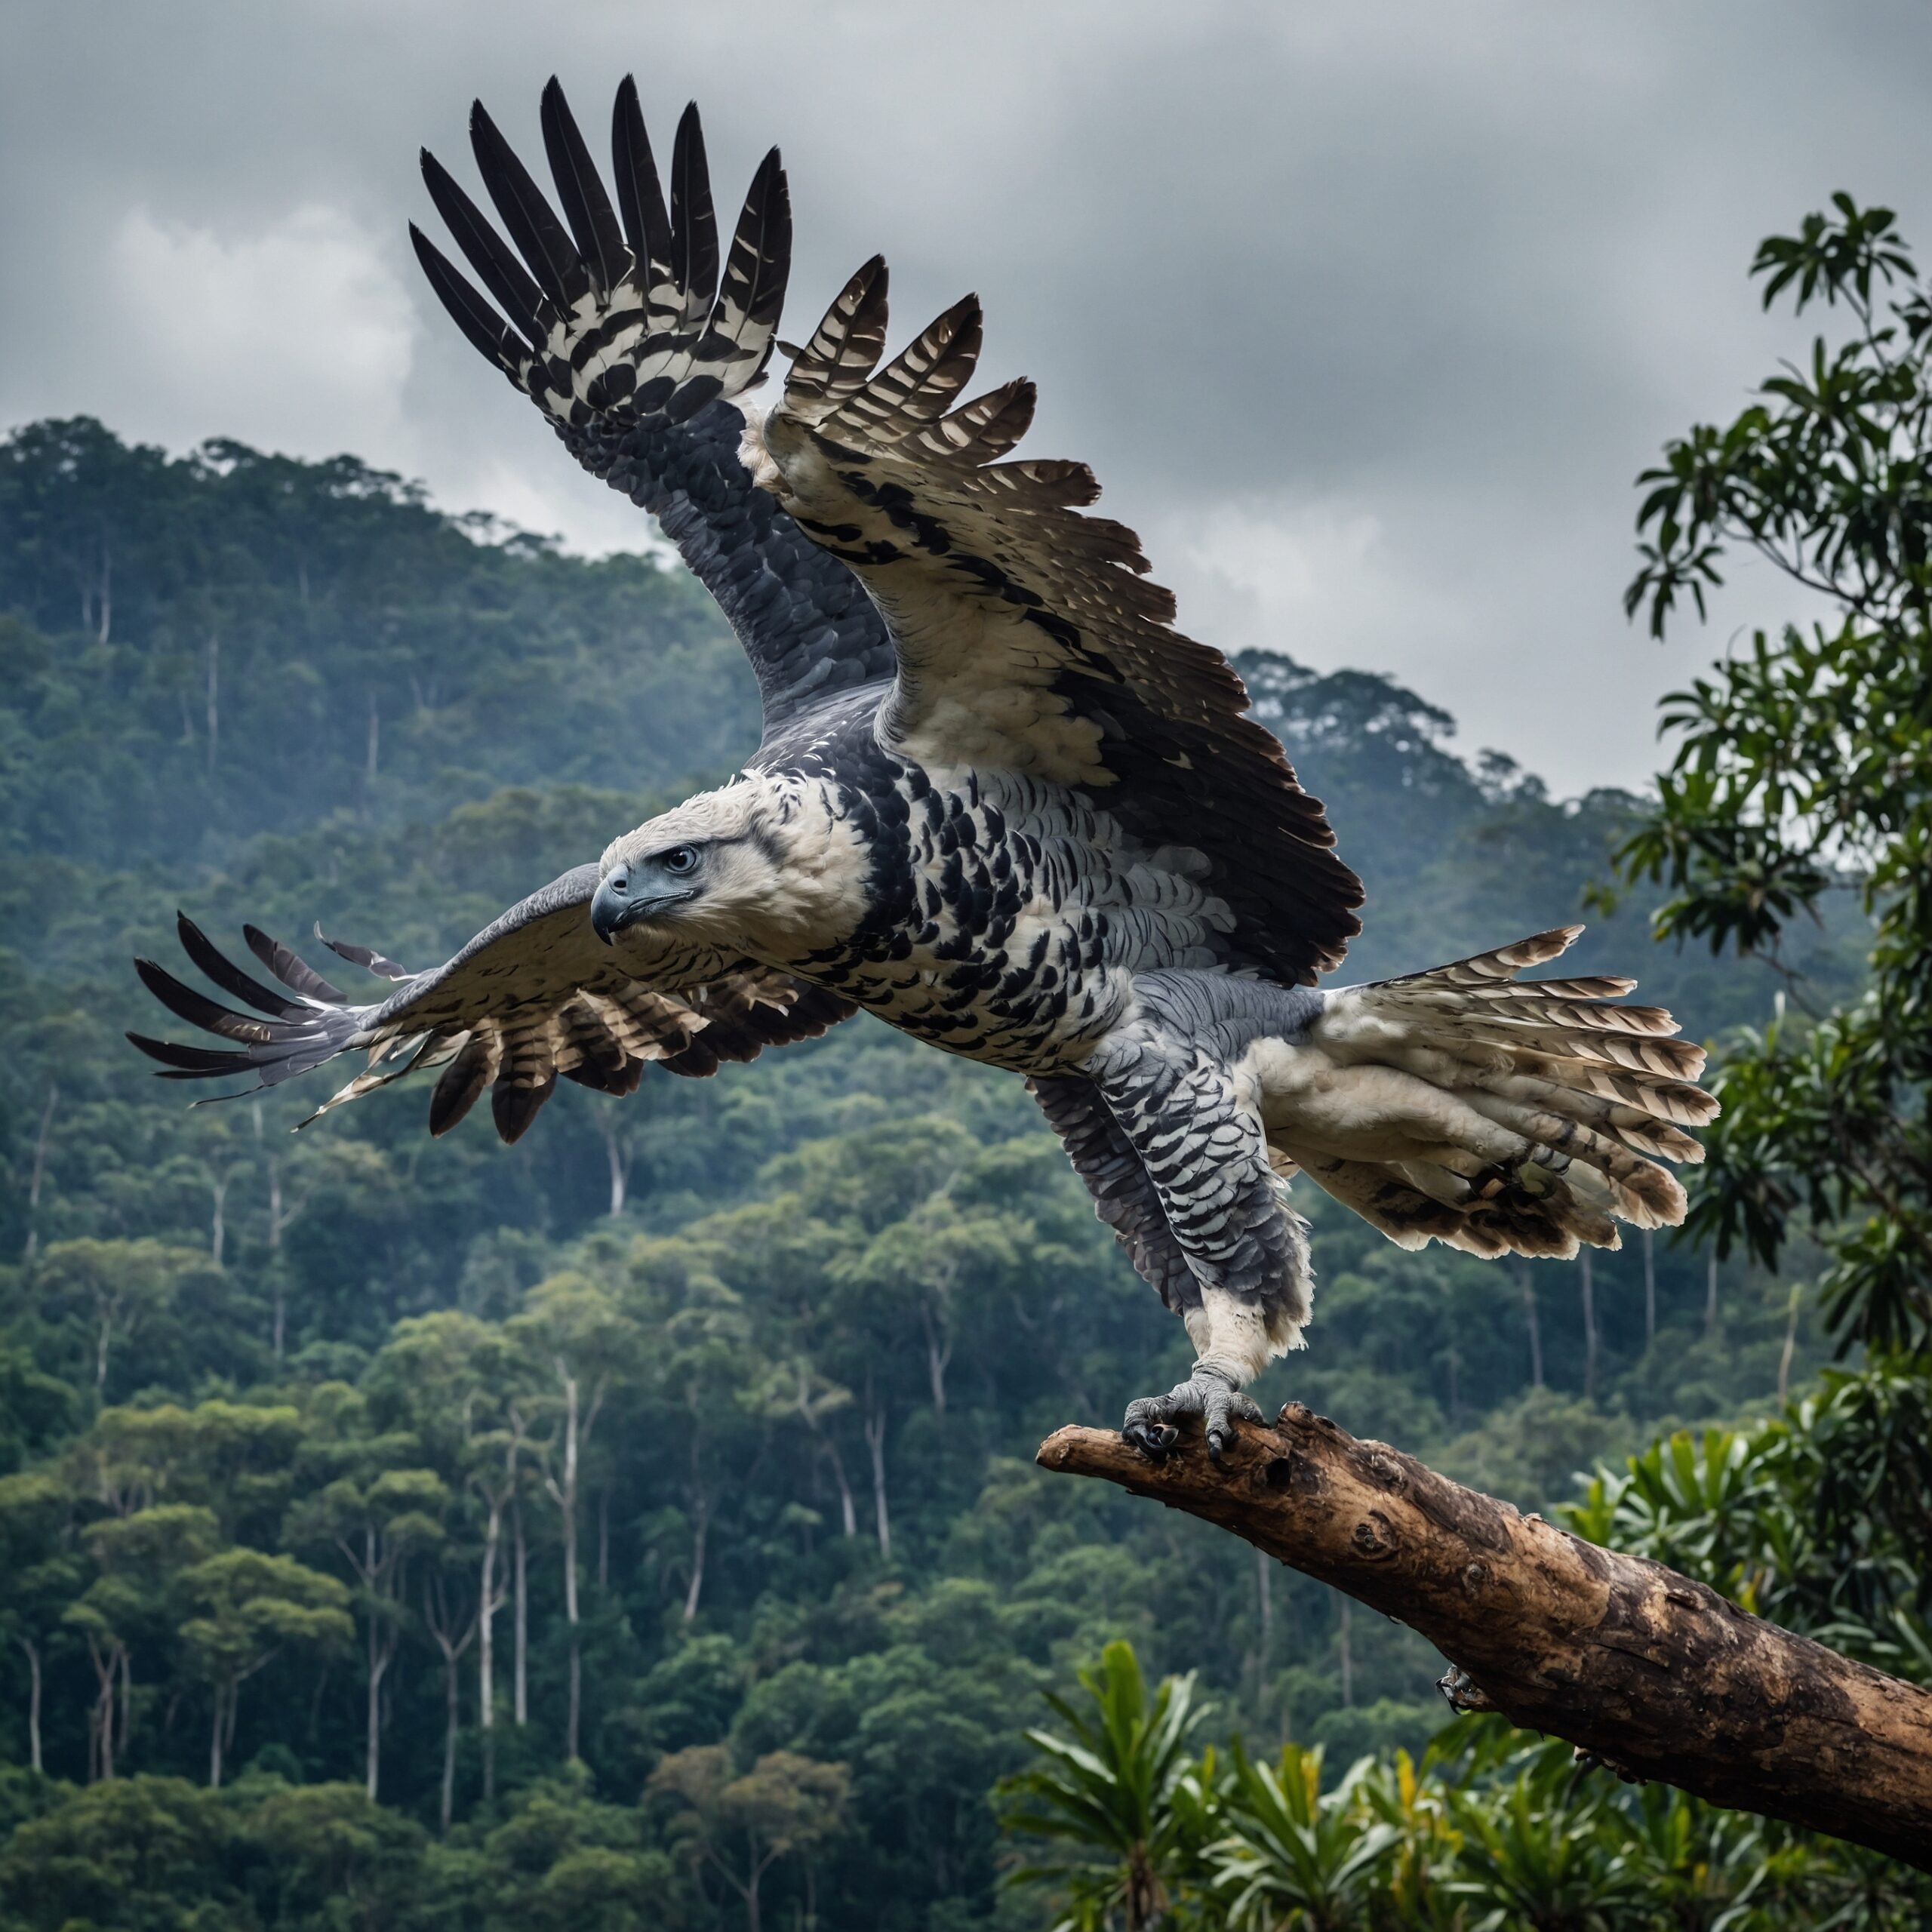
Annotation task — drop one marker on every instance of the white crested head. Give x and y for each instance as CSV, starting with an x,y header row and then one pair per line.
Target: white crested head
x,y
765,866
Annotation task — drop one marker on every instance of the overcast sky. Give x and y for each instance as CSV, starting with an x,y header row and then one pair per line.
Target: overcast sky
x,y
1366,314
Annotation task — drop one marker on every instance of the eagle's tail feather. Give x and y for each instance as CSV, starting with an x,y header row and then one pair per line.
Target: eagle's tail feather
x,y
1525,1117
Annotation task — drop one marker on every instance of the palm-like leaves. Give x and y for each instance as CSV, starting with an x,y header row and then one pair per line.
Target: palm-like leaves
x,y
1298,1856
1492,1832
1542,1851
1119,1798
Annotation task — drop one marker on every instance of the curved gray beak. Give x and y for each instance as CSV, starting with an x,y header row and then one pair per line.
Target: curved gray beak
x,y
613,908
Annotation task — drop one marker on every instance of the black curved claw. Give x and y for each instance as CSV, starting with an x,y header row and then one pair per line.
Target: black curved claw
x,y
1208,1392
1153,1439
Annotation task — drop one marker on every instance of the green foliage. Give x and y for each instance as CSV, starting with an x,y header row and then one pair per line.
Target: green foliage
x,y
1119,1793
1294,1853
1802,766
1493,1829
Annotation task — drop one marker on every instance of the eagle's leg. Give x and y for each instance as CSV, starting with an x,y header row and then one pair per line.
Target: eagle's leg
x,y
1241,1278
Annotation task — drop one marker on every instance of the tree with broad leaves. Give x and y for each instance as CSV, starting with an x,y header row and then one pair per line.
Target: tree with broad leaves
x,y
246,1607
378,1518
115,1286
740,1824
1802,768
578,1338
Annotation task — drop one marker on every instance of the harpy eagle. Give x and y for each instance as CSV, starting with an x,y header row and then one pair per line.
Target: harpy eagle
x,y
1000,802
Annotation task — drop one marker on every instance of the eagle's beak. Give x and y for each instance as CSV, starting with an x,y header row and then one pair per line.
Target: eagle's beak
x,y
613,908
626,896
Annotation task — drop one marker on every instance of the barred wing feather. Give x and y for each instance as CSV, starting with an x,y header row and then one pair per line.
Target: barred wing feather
x,y
535,994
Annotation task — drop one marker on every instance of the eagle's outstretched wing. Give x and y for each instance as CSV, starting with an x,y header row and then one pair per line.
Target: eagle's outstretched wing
x,y
534,994
1007,630
616,323
1027,635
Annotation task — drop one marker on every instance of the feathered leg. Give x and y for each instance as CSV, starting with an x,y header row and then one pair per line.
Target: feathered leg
x,y
1244,1290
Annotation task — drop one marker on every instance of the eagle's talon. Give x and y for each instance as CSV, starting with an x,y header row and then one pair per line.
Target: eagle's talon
x,y
1207,1393
1153,1439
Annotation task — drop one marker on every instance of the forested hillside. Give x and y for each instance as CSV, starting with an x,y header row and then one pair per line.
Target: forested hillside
x,y
725,1395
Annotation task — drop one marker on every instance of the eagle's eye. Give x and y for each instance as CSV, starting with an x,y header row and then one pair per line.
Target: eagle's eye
x,y
680,860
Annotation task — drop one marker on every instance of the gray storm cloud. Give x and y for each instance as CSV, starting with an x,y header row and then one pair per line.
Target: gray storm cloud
x,y
1366,316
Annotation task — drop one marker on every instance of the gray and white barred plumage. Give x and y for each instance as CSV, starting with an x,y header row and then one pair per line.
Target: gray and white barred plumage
x,y
1000,802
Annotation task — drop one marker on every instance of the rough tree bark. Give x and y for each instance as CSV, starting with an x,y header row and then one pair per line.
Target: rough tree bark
x,y
1656,1675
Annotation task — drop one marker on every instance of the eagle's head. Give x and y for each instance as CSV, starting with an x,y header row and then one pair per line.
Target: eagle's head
x,y
765,866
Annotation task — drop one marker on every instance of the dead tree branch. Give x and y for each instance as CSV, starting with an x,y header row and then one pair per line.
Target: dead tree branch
x,y
1660,1677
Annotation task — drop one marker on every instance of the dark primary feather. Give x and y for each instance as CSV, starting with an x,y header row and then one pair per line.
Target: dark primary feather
x,y
532,223
694,220
593,222
365,957
229,977
293,972
486,331
640,194
504,276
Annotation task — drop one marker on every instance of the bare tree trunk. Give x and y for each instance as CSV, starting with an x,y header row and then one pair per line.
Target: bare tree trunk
x,y
848,1512
875,1425
214,698
215,1737
939,1354
700,1540
127,1698
100,1719
1654,1675
34,1181
520,1657
619,1157
451,1712
379,1664
1790,1344
1649,1287
218,1185
106,592
1529,1281
569,1501
1711,1299
489,1600
579,1420
32,1650
443,1627
1589,1284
